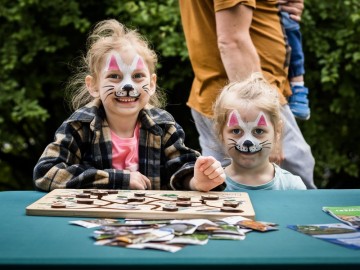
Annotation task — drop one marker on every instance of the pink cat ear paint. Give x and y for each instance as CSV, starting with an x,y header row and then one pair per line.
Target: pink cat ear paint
x,y
140,64
115,62
261,120
113,65
233,119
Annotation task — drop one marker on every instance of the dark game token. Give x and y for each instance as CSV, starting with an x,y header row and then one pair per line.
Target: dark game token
x,y
100,194
231,204
183,198
231,210
139,194
210,197
83,195
112,191
85,201
58,205
87,191
136,199
183,203
170,208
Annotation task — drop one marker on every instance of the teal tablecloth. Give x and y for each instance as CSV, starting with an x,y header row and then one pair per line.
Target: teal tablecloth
x,y
37,241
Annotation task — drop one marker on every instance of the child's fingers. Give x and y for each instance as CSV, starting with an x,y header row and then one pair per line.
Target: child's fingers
x,y
216,173
211,167
204,163
147,182
139,181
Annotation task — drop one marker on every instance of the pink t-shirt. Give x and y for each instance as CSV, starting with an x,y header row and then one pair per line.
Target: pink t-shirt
x,y
125,151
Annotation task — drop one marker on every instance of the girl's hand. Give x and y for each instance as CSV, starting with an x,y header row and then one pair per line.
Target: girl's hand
x,y
208,174
139,181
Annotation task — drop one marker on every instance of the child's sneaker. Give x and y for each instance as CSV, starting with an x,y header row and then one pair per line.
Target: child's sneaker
x,y
299,103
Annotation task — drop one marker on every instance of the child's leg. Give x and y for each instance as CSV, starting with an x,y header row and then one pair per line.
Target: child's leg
x,y
298,102
293,34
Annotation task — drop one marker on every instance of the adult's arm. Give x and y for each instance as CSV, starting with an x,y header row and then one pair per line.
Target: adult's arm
x,y
238,53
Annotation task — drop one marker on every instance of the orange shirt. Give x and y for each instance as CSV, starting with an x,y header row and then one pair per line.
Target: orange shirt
x,y
198,20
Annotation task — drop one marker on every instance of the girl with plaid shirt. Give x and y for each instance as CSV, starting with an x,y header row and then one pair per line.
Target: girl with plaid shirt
x,y
118,137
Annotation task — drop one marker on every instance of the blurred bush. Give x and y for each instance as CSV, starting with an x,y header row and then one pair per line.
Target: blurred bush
x,y
41,39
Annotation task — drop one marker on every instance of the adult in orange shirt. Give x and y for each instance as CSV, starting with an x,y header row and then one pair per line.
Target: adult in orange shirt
x,y
227,41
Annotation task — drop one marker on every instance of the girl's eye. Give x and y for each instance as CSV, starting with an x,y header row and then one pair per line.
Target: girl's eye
x,y
138,75
258,131
236,131
114,76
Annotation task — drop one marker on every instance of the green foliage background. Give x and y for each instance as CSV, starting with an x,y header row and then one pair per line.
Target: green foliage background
x,y
40,39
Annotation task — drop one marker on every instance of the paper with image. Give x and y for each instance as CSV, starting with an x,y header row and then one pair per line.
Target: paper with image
x,y
348,214
336,233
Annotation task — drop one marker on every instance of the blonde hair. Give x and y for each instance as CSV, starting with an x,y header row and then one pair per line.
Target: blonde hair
x,y
255,91
109,35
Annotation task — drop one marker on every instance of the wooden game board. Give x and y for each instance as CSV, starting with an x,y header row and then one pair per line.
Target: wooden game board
x,y
149,204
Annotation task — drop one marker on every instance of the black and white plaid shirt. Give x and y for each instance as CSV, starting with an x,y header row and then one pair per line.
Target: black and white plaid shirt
x,y
81,154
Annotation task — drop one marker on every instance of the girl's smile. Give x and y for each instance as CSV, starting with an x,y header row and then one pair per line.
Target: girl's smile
x,y
125,83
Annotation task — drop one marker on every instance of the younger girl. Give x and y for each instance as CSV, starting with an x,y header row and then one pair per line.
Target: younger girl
x,y
116,138
247,121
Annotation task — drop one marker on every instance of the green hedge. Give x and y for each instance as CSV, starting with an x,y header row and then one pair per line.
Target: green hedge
x,y
40,40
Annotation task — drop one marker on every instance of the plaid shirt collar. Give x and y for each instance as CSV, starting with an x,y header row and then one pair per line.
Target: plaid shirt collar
x,y
94,113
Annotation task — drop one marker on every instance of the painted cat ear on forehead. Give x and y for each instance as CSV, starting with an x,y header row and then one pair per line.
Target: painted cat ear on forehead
x,y
140,64
234,119
261,120
113,64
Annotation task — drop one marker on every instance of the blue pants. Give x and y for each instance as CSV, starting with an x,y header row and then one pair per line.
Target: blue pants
x,y
293,33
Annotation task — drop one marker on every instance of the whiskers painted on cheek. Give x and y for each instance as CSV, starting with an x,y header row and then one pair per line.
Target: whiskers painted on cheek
x,y
232,144
109,90
146,88
265,144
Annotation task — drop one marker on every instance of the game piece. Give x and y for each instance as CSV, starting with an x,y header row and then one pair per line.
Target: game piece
x,y
85,201
209,197
150,205
139,194
101,194
183,203
58,205
231,204
231,210
112,191
183,198
83,196
136,199
170,208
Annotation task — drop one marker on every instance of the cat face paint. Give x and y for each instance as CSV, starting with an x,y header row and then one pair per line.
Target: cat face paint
x,y
131,74
249,133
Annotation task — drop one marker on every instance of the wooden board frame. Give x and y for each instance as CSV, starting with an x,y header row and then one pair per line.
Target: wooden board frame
x,y
149,204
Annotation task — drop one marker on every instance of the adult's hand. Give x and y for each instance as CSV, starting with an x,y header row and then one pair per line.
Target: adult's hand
x,y
293,7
